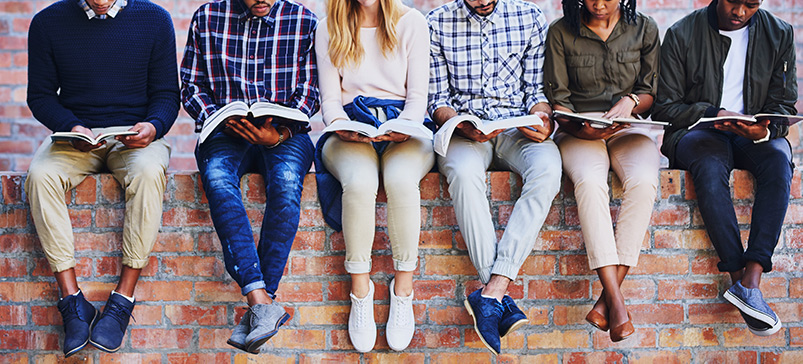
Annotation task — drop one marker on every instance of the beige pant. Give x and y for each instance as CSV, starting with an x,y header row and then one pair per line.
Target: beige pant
x,y
634,157
58,167
357,167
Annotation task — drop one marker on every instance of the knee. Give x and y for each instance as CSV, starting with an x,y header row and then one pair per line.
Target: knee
x,y
547,176
42,176
149,174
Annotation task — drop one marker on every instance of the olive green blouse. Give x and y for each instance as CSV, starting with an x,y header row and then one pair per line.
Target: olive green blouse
x,y
585,74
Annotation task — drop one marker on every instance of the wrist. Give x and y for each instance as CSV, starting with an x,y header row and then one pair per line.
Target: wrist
x,y
280,130
763,139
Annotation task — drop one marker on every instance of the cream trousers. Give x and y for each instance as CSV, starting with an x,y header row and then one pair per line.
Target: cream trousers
x,y
357,166
58,167
634,157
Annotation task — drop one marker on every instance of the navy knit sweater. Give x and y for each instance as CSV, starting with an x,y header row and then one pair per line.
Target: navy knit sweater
x,y
96,73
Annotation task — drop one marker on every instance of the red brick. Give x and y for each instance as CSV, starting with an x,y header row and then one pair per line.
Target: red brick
x,y
16,7
426,290
16,358
298,339
317,266
163,291
193,266
632,288
682,289
183,217
148,314
198,358
436,239
86,193
329,358
217,292
16,218
658,264
705,264
539,265
443,216
199,315
689,336
110,189
213,338
642,338
310,192
671,216
185,187
741,337
209,242
130,358
45,315
27,291
796,335
558,339
500,186
558,289
463,358
713,313
572,265
300,291
656,313
430,187
448,265
12,315
11,267
310,217
28,340
161,338
174,242
253,189
12,187
796,288
309,240
449,316
663,357
264,357
107,266
559,240
593,357
670,183
18,243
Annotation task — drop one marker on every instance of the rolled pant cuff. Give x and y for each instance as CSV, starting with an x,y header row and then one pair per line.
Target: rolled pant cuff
x,y
628,260
357,267
505,269
766,262
733,266
485,274
402,266
604,261
252,286
62,266
135,263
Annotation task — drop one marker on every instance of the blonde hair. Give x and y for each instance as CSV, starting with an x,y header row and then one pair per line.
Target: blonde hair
x,y
343,24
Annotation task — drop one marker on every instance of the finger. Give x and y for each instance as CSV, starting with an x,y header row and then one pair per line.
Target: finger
x,y
242,131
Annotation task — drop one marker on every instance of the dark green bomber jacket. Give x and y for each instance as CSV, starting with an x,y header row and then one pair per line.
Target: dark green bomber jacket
x,y
691,72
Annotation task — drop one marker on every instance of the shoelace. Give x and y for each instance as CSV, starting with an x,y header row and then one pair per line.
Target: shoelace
x,y
119,313
69,311
402,320
362,312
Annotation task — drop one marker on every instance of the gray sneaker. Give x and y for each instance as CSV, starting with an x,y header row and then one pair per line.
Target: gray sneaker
x,y
760,318
240,332
264,321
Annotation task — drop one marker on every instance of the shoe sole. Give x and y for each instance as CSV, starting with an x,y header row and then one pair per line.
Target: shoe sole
x,y
517,325
253,346
744,307
476,329
103,348
92,323
592,323
767,332
240,346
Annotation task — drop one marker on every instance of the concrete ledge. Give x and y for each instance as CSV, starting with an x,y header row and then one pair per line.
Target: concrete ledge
x,y
188,304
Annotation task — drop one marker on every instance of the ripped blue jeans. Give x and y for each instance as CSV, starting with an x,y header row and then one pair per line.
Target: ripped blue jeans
x,y
222,161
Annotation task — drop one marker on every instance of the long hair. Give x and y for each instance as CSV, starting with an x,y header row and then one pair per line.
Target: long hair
x,y
343,25
574,11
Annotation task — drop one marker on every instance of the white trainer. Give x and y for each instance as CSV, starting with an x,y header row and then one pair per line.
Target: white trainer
x,y
401,320
362,327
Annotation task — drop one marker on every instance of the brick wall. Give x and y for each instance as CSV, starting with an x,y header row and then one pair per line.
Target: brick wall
x,y
188,304
20,134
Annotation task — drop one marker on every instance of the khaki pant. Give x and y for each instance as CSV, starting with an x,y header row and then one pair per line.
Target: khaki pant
x,y
357,167
634,157
58,167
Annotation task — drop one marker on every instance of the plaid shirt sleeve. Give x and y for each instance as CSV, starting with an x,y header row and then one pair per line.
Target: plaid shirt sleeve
x,y
196,93
439,87
533,63
306,95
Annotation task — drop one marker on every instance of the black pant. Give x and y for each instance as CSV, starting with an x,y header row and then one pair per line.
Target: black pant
x,y
710,155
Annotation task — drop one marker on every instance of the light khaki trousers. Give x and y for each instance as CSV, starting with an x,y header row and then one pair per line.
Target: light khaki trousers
x,y
633,156
58,167
357,166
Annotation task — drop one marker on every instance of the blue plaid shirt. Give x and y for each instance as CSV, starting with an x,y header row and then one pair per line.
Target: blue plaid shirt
x,y
232,55
491,66
113,10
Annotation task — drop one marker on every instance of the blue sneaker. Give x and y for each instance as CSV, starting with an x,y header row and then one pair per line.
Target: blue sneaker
x,y
486,312
78,316
110,329
758,316
512,317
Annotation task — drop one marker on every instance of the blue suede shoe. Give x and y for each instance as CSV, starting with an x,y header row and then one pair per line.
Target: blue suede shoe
x,y
486,312
110,329
78,316
512,317
760,318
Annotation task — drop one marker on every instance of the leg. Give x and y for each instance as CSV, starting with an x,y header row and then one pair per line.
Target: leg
x,y
403,167
539,166
771,165
708,156
464,166
356,166
141,172
221,161
284,169
55,169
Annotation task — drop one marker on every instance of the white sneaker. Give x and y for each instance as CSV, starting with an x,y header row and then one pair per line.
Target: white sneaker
x,y
401,320
362,327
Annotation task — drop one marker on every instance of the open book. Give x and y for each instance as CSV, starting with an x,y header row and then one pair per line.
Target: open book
x,y
407,127
444,134
69,136
258,109
595,120
705,123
